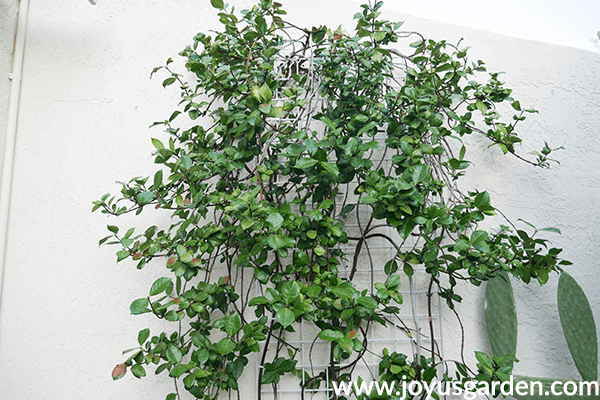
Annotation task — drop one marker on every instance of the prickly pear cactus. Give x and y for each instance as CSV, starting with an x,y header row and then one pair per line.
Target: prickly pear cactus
x,y
501,315
578,326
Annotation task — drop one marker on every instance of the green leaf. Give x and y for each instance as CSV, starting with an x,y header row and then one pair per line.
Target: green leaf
x,y
179,370
138,371
294,149
265,108
313,291
319,250
285,316
174,316
139,306
368,200
145,197
217,4
174,354
113,229
343,292
346,344
247,223
157,144
225,346
158,177
368,302
304,163
256,92
265,93
143,336
290,291
330,335
233,324
301,258
367,127
478,237
104,239
122,254
278,241
186,163
275,219
555,230
328,123
258,300
481,106
501,315
169,81
160,285
331,168
420,174
373,144
482,199
578,325
484,359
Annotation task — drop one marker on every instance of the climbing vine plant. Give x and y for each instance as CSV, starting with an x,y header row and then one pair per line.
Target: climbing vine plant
x,y
279,140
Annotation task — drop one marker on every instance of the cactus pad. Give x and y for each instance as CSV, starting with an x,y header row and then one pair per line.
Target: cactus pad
x,y
501,315
578,326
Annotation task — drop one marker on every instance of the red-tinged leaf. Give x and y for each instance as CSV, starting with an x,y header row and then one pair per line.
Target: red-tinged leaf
x,y
119,372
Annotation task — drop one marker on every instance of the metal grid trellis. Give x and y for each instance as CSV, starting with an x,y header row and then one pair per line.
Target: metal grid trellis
x,y
409,333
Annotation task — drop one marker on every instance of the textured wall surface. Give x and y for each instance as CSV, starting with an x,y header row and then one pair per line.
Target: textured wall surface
x,y
86,104
8,24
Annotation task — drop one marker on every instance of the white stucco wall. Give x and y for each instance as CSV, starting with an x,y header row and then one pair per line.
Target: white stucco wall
x,y
8,24
86,104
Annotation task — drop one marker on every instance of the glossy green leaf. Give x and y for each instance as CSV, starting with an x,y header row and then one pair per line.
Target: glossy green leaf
x,y
174,355
225,346
138,371
233,324
247,223
330,335
160,285
304,163
265,93
278,241
139,306
157,144
290,291
217,4
275,219
285,316
143,336
331,168
145,197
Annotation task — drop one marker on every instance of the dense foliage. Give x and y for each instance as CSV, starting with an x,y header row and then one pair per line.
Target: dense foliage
x,y
289,134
